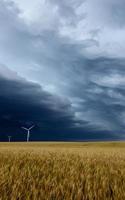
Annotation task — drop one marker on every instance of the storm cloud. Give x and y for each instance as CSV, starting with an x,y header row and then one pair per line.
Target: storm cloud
x,y
24,103
65,69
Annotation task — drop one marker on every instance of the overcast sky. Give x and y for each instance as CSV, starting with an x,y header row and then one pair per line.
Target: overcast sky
x,y
62,68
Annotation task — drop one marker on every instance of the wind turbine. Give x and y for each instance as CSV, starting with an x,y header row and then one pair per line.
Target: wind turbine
x,y
28,131
9,137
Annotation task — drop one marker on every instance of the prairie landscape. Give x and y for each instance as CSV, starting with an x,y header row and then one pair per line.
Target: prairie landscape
x,y
62,171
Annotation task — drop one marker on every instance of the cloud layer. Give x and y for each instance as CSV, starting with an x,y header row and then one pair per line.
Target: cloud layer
x,y
66,67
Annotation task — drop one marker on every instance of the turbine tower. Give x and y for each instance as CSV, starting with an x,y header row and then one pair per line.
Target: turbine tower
x,y
28,131
9,137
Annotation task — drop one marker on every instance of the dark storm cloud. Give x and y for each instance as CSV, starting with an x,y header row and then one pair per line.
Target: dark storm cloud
x,y
101,93
77,95
24,103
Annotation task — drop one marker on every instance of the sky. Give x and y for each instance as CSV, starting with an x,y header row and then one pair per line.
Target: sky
x,y
62,68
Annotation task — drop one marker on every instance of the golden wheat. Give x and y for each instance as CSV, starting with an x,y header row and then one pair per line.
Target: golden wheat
x,y
62,171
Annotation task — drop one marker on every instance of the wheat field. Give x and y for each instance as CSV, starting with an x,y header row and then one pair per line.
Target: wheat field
x,y
62,171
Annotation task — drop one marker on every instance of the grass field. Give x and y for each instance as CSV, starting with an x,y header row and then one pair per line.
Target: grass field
x,y
62,171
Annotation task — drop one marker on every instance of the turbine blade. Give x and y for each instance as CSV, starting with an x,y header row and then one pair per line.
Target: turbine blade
x,y
25,128
31,127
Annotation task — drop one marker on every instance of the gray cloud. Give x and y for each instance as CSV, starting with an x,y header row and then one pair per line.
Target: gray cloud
x,y
102,92
64,46
107,13
24,103
68,10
